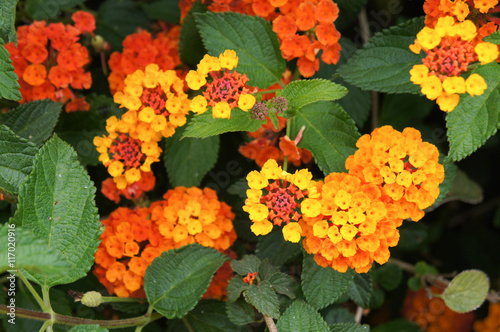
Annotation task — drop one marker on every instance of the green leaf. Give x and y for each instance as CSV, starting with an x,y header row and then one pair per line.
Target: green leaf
x,y
16,160
117,19
252,38
465,190
188,160
397,325
475,119
248,264
388,276
422,268
239,187
335,314
8,15
22,250
56,202
304,92
9,87
404,110
384,63
165,10
283,284
348,13
263,298
412,235
234,288
377,298
175,281
301,317
240,312
330,134
88,328
43,10
467,291
450,172
204,125
274,247
267,269
34,121
191,49
350,327
360,289
210,316
493,38
323,285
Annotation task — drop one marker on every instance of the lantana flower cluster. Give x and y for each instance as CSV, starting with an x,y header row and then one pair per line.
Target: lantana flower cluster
x,y
132,191
350,219
450,50
225,89
133,238
49,61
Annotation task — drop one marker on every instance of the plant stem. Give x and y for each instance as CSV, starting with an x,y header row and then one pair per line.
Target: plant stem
x,y
359,314
32,291
270,323
288,132
110,299
187,324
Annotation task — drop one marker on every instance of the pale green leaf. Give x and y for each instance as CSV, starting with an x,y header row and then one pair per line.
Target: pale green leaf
x,y
8,15
466,291
301,317
263,298
56,202
360,289
9,87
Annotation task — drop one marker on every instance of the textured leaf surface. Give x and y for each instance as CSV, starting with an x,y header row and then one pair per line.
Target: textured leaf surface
x,y
389,276
475,119
240,312
34,121
465,189
88,328
283,284
188,160
385,61
8,15
210,316
301,317
263,298
350,327
252,38
493,38
204,125
330,134
191,49
450,172
466,291
234,288
56,202
31,254
9,87
322,286
176,280
248,264
274,247
304,92
16,160
360,289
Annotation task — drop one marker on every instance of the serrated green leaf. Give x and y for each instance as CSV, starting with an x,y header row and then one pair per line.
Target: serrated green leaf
x,y
323,285
398,325
360,289
466,291
8,15
263,298
404,110
9,87
16,160
267,269
235,287
385,61
274,247
493,38
330,134
28,253
165,10
191,49
240,312
248,264
475,119
283,284
304,92
188,160
349,327
204,125
56,202
388,276
41,10
33,121
301,317
175,281
336,314
88,328
210,316
252,38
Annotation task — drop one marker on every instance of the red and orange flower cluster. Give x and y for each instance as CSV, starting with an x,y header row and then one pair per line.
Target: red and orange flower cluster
x,y
134,237
132,191
49,61
350,219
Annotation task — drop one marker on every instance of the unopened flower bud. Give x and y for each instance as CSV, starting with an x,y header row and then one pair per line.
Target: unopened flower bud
x,y
91,299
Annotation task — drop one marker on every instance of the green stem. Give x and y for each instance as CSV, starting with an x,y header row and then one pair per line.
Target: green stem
x,y
45,326
46,300
188,324
32,291
111,299
288,132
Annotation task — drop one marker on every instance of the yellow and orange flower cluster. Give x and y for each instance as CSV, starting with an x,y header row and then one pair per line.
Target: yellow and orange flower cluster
x,y
141,49
351,219
450,50
227,88
490,323
133,238
49,61
131,191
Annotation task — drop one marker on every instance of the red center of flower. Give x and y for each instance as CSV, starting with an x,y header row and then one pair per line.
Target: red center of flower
x,y
155,98
127,150
227,87
450,58
282,202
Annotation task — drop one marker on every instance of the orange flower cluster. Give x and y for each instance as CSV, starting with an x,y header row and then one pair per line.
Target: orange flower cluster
x,y
490,323
216,6
133,238
131,191
432,314
218,286
49,61
141,49
250,278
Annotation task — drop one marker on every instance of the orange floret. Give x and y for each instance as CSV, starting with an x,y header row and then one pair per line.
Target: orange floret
x,y
492,322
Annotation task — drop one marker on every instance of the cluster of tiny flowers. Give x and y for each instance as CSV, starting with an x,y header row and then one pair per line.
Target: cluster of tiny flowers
x,y
279,104
250,277
141,49
432,314
235,6
133,238
49,61
275,198
450,50
259,111
132,191
490,323
226,88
